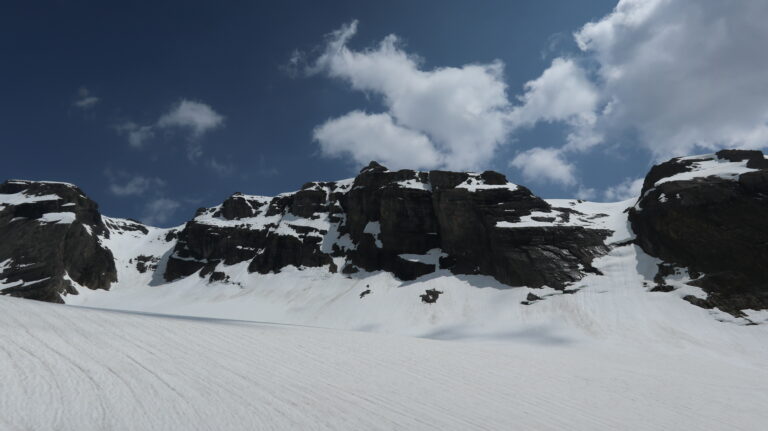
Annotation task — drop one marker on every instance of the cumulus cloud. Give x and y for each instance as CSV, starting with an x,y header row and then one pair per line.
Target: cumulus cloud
x,y
187,116
454,117
545,165
196,117
159,211
684,76
85,100
627,189
367,137
561,93
136,186
673,77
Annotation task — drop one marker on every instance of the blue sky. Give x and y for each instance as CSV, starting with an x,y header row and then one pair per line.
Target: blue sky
x,y
157,108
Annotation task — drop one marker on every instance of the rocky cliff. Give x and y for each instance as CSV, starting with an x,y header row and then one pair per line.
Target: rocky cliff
x,y
709,215
703,217
405,222
49,240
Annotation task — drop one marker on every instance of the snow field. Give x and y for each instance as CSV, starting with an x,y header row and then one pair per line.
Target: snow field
x,y
68,368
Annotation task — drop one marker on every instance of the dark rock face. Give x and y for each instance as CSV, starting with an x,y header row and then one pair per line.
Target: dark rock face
x,y
715,226
405,222
49,234
430,296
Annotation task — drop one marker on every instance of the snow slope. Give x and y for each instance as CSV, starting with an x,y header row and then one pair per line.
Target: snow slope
x,y
469,306
68,368
608,355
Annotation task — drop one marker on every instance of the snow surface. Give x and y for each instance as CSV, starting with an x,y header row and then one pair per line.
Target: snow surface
x,y
260,221
21,198
475,183
42,181
470,307
374,228
414,184
709,166
431,257
593,215
58,218
592,361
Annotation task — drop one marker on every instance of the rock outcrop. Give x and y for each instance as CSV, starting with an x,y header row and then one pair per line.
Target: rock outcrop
x,y
405,222
709,214
49,238
705,214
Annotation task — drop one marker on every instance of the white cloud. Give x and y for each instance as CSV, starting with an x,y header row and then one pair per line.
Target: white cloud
x,y
295,65
561,93
195,118
159,211
628,189
85,100
221,168
135,186
684,76
137,135
675,77
367,137
122,183
462,111
545,165
586,193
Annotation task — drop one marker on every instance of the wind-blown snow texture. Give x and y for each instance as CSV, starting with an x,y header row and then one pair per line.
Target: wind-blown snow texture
x,y
598,360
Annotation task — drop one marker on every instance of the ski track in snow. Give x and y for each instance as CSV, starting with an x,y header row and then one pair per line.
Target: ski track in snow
x,y
69,368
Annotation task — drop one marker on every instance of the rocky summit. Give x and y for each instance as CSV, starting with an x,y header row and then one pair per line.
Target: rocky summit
x,y
405,222
701,218
49,237
709,214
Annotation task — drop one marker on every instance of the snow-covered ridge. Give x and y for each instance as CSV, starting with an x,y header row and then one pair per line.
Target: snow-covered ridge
x,y
475,182
56,214
41,182
212,216
24,198
709,165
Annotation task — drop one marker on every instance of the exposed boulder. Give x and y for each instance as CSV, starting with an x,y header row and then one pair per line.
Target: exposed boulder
x,y
709,214
50,238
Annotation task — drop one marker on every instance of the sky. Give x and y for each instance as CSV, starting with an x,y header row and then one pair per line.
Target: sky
x,y
157,108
